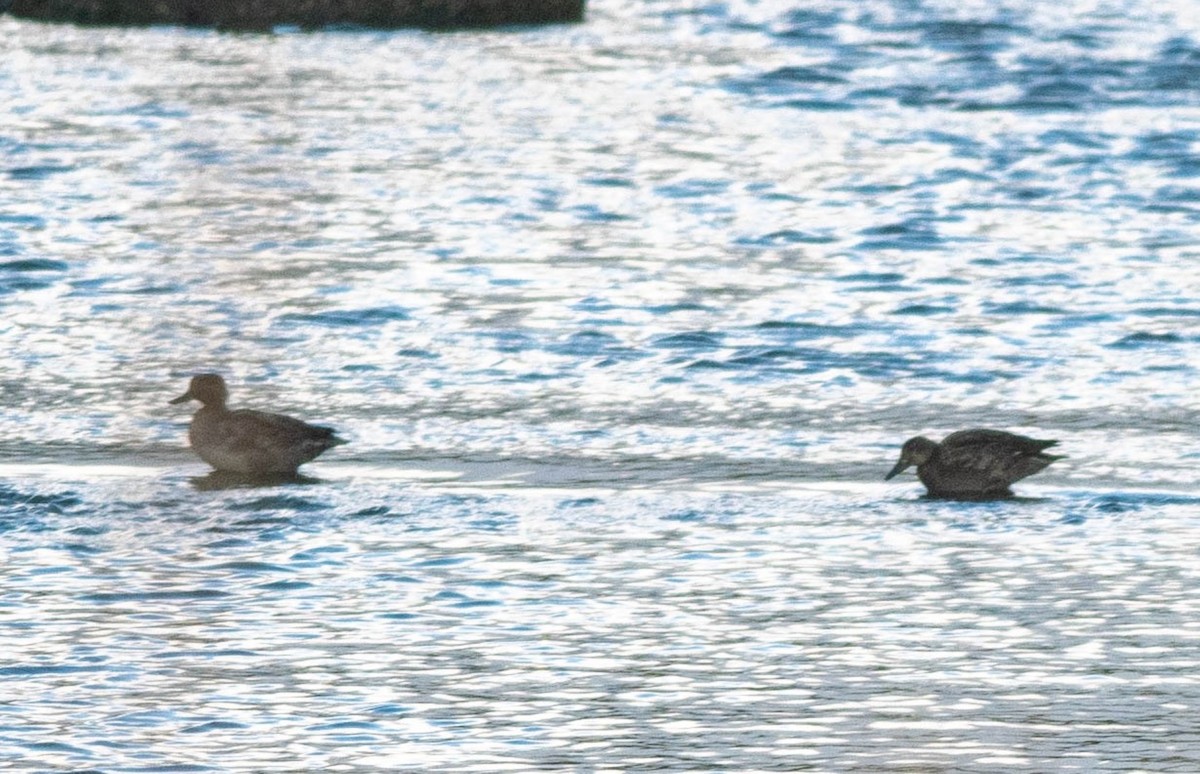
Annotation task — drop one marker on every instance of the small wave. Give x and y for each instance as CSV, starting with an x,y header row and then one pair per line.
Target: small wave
x,y
280,503
787,237
1021,308
33,264
689,340
38,171
154,596
1142,339
347,318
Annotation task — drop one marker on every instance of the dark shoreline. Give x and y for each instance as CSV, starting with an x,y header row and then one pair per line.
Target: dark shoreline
x,y
265,15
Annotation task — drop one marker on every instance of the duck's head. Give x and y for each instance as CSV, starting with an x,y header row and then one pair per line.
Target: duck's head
x,y
915,451
209,389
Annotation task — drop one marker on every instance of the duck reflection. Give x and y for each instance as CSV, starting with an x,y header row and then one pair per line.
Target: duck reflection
x,y
223,479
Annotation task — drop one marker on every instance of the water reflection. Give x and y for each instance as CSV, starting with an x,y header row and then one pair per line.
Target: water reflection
x,y
627,321
660,621
219,479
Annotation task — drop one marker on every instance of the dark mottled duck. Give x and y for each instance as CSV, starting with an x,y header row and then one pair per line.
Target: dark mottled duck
x,y
252,443
974,464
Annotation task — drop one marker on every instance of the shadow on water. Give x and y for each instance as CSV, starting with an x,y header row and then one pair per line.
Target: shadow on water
x,y
985,499
1116,501
1071,508
219,480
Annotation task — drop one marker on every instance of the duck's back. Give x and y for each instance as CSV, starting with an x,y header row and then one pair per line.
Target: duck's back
x,y
257,442
993,443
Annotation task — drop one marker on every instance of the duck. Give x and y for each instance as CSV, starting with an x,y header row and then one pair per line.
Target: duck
x,y
974,464
247,442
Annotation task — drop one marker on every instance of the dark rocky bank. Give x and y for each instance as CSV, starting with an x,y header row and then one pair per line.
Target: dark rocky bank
x,y
306,14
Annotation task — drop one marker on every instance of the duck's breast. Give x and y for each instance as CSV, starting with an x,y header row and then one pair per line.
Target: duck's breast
x,y
950,481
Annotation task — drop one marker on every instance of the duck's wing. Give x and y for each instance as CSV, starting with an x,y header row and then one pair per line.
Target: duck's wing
x,y
996,441
263,429
999,456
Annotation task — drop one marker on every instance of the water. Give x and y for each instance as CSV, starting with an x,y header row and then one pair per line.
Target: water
x,y
625,323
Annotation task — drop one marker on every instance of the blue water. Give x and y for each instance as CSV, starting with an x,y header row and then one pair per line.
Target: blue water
x,y
624,322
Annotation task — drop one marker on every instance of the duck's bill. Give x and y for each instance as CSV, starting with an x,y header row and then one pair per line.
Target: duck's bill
x,y
181,399
900,467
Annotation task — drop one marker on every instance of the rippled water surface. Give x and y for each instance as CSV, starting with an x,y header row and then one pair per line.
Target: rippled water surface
x,y
624,322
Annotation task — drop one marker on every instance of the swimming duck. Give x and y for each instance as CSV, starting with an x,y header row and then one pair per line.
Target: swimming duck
x,y
249,442
974,464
